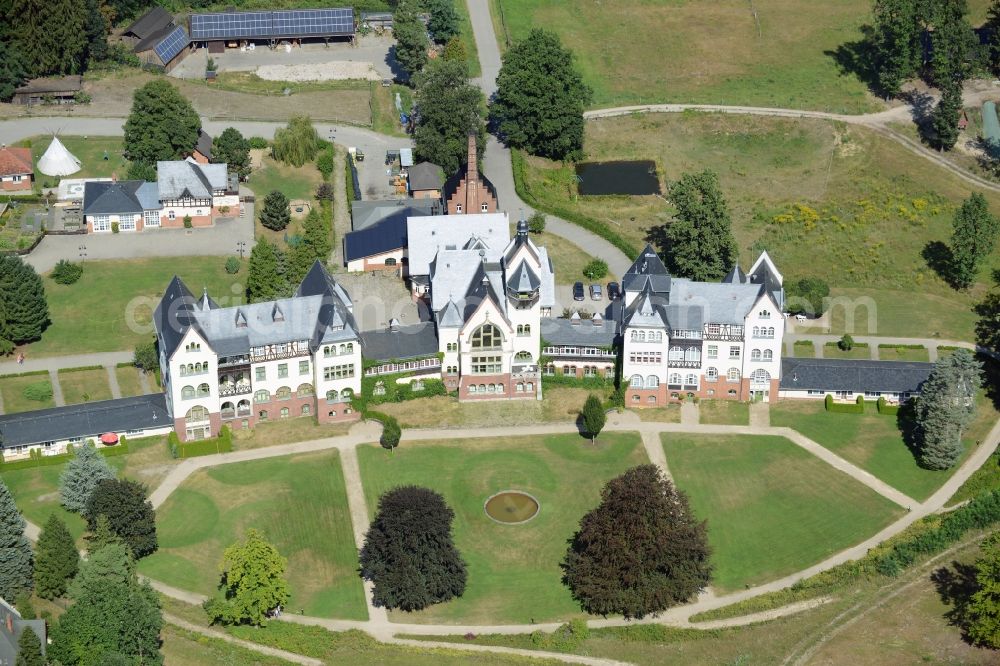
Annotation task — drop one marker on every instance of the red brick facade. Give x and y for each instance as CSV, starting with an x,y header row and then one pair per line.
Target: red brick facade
x,y
471,194
8,185
717,390
340,412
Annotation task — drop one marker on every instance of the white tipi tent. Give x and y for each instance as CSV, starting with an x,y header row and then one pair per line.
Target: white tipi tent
x,y
57,161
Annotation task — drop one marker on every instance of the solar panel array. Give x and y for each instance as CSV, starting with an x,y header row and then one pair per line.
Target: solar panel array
x,y
273,24
172,44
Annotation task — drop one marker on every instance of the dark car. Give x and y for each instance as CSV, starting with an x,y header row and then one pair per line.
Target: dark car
x,y
614,291
578,293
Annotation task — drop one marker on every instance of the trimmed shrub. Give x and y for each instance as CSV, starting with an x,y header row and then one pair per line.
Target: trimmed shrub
x,y
857,407
187,222
66,272
38,391
596,269
257,143
232,265
846,343
884,408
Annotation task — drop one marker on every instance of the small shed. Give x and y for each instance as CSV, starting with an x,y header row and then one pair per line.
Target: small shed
x,y
376,20
55,89
405,157
425,181
202,152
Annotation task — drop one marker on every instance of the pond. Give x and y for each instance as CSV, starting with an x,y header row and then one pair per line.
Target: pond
x,y
636,177
511,507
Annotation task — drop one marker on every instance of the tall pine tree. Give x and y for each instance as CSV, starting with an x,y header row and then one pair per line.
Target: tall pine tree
x,y
972,240
81,476
29,649
266,278
97,32
13,69
51,34
944,118
15,551
698,243
896,48
946,407
24,313
56,561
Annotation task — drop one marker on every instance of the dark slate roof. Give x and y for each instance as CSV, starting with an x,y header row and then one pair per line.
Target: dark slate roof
x,y
400,342
425,176
828,374
387,235
336,314
648,269
736,276
365,214
204,144
91,419
105,198
172,315
152,21
563,332
153,39
523,279
11,628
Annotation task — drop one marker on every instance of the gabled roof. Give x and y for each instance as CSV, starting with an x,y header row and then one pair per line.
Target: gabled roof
x,y
153,39
183,179
107,198
400,342
562,332
385,236
368,213
736,276
449,316
152,21
52,84
647,270
204,144
523,279
425,176
456,179
15,161
172,316
828,374
427,236
647,310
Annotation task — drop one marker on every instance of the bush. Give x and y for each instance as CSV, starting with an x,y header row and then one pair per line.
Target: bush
x,y
66,272
324,162
146,357
846,343
536,223
114,227
885,408
596,269
324,192
82,98
187,222
858,407
174,445
39,391
258,143
232,265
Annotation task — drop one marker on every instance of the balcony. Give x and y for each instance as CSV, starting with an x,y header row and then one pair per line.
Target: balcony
x,y
237,388
258,355
683,364
527,371
234,361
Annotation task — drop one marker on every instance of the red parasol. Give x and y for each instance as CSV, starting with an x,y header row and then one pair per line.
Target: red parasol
x,y
109,438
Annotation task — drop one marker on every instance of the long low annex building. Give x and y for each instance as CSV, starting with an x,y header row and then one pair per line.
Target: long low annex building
x,y
896,381
233,29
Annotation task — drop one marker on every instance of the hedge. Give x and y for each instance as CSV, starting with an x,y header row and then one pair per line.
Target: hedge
x,y
580,382
32,373
929,536
885,408
857,407
203,447
47,461
394,391
887,346
82,368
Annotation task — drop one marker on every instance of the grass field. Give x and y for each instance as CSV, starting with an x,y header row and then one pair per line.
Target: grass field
x,y
129,383
772,508
638,51
804,349
824,199
90,151
724,412
274,433
110,308
191,649
475,69
14,400
84,385
904,354
568,260
669,414
514,573
857,352
298,502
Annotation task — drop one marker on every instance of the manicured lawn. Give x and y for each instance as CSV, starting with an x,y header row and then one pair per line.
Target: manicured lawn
x,y
825,200
716,52
298,502
129,383
903,354
670,414
871,441
90,151
110,308
804,349
286,431
724,412
294,182
568,261
84,385
514,573
14,400
772,508
857,352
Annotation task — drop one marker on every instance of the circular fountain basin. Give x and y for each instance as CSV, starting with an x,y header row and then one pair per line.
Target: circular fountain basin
x,y
511,507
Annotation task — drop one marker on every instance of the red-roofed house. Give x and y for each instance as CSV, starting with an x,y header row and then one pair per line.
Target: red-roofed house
x,y
16,169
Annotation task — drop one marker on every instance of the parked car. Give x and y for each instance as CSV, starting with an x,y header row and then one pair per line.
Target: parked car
x,y
595,292
614,291
578,291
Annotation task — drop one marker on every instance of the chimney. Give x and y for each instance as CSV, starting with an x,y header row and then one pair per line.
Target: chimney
x,y
114,177
472,178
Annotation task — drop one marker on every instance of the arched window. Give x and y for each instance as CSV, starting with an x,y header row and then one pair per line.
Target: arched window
x,y
329,350
712,374
770,331
347,393
676,354
635,336
203,390
691,380
331,396
675,378
196,414
523,357
283,393
305,409
692,354
760,376
642,336
755,355
733,375
229,409
765,314
486,336
350,347
652,381
756,331
305,390
391,261
655,336
262,396
768,355
243,407
482,388
187,393
284,412
472,388
636,381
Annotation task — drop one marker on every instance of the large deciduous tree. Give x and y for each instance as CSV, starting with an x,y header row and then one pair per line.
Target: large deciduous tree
x,y
81,476
540,98
698,243
51,34
253,582
445,22
972,240
56,560
113,619
640,551
231,148
24,313
162,124
411,38
15,551
409,553
450,108
130,515
946,406
296,143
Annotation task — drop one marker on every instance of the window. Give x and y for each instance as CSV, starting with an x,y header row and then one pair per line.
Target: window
x,y
305,391
530,387
651,399
713,351
193,347
17,179
329,351
712,374
472,388
519,387
303,367
458,208
676,354
196,414
760,376
770,331
262,396
338,372
261,374
691,380
451,370
283,393
284,412
550,369
171,215
652,382
733,375
151,218
486,365
126,223
589,371
452,346
485,207
487,336
228,410
204,390
391,261
768,355
645,357
756,331
734,352
305,410
636,381
101,222
262,415
765,314
523,357
638,336
675,379
282,370
755,355
187,393
523,330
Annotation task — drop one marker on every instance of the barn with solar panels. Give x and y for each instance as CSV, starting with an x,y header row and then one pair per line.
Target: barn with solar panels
x,y
165,45
222,30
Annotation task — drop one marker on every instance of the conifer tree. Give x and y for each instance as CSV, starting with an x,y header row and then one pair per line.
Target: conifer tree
x,y
13,69
264,281
97,31
275,214
946,407
981,614
51,34
973,239
81,476
24,313
29,649
445,22
896,44
56,561
593,417
944,118
15,551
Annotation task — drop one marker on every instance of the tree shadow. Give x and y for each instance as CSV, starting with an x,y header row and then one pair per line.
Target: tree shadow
x,y
921,106
906,421
955,584
399,75
991,378
939,259
856,59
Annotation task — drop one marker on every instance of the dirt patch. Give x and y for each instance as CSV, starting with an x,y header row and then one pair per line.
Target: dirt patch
x,y
328,71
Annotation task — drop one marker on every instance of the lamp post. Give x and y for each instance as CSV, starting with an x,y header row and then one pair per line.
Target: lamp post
x,y
83,252
241,246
